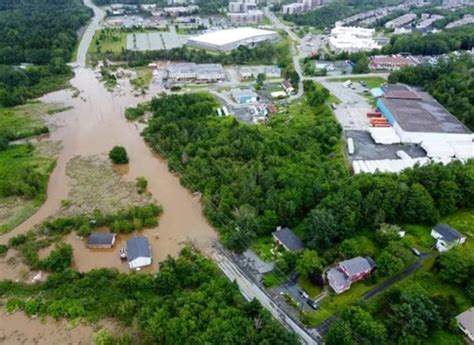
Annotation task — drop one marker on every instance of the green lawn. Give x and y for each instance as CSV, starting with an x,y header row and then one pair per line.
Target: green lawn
x,y
262,247
26,120
18,164
143,79
371,81
311,289
108,40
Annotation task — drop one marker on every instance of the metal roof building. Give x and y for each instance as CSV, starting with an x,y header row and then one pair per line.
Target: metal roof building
x,y
288,240
138,252
226,40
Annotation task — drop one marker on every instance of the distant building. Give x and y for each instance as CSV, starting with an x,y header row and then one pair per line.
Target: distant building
x,y
180,10
249,17
446,237
465,322
242,6
244,96
288,240
138,252
391,62
226,40
101,240
247,72
466,20
347,272
401,21
301,6
352,39
200,73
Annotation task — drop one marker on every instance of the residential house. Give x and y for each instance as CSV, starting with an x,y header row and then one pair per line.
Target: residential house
x,y
101,240
446,237
466,324
138,252
289,89
207,73
288,240
347,272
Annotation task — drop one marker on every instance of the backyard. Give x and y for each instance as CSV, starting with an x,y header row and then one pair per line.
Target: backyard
x,y
371,82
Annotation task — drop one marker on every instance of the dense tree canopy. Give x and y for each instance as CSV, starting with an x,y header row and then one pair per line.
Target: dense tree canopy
x,y
188,302
451,82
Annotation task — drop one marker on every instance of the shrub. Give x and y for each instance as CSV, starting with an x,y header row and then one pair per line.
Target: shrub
x,y
141,184
118,155
59,259
3,249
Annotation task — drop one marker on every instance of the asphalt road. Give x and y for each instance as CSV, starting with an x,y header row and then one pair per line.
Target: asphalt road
x,y
250,291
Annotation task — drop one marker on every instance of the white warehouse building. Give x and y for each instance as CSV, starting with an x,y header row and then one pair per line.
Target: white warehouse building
x,y
352,39
226,40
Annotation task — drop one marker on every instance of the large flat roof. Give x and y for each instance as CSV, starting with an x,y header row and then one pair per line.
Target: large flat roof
x,y
422,114
223,37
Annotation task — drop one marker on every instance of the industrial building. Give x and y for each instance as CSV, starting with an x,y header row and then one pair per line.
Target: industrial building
x,y
352,39
248,72
226,40
244,96
200,73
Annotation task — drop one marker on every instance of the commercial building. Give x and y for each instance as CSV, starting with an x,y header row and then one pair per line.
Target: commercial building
x,y
242,6
301,6
391,62
418,118
226,40
446,237
200,73
401,21
244,96
249,17
352,39
347,272
248,72
180,10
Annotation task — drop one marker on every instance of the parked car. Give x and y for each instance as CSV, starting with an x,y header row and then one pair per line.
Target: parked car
x,y
312,304
303,294
415,251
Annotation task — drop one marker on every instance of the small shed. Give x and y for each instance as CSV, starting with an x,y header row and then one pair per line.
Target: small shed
x,y
138,252
288,240
101,240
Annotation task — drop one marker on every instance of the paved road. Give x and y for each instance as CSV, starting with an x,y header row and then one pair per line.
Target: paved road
x,y
250,290
294,51
92,27
324,327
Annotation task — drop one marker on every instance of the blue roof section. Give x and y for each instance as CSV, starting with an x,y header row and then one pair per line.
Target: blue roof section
x,y
138,247
289,239
385,112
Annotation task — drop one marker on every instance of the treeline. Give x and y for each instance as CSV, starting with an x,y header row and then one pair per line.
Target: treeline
x,y
432,44
188,301
253,178
334,11
450,81
265,53
37,31
42,33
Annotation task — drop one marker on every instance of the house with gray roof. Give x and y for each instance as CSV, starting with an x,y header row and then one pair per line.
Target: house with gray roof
x,y
346,272
465,322
138,252
446,237
288,240
101,240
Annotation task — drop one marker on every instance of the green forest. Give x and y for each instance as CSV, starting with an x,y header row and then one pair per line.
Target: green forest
x,y
42,33
337,10
450,81
289,171
189,301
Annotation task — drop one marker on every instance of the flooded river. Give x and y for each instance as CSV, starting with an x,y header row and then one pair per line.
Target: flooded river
x,y
93,125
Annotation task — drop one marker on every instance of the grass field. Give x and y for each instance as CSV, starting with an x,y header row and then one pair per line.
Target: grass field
x,y
14,161
143,79
26,120
371,81
108,40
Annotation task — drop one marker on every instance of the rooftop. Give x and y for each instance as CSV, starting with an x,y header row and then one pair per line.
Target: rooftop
x,y
101,239
448,233
419,112
357,265
138,247
288,239
337,277
466,320
231,35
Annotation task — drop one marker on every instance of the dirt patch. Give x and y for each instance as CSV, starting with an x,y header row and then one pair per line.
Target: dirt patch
x,y
95,185
12,268
18,328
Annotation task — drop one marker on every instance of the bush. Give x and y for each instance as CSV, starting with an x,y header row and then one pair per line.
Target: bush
x,y
141,184
59,259
3,249
118,155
